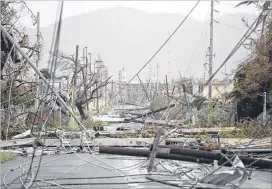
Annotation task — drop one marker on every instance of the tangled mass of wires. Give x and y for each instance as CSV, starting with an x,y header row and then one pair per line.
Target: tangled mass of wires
x,y
32,172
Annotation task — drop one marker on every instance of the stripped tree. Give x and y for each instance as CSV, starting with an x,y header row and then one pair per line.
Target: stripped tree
x,y
253,77
18,89
87,89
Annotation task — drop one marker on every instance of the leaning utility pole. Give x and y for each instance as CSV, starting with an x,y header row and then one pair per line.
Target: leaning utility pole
x,y
211,51
38,59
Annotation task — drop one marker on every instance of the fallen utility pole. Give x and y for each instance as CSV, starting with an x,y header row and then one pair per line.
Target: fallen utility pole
x,y
145,153
41,76
189,155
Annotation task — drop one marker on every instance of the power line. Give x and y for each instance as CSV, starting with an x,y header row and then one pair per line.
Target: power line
x,y
227,25
155,52
239,44
199,41
250,30
234,15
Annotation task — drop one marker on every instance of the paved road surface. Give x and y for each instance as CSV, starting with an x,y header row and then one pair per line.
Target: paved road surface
x,y
76,169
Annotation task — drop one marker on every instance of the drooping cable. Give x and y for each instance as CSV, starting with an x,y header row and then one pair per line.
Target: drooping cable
x,y
153,56
47,89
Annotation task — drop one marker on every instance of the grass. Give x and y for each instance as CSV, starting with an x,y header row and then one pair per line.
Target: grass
x,y
90,124
6,156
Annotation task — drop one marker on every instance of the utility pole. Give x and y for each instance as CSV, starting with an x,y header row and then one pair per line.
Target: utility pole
x,y
90,70
90,62
41,76
75,79
97,92
98,69
38,59
85,58
211,50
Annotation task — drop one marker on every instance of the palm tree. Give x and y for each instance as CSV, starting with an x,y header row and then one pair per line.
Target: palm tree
x,y
247,3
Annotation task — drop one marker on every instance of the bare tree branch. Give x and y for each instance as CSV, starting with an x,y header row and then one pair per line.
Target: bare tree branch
x,y
100,86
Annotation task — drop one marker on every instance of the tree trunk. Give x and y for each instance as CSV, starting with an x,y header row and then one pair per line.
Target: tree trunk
x,y
80,108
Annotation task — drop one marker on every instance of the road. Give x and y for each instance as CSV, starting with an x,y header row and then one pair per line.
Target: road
x,y
80,170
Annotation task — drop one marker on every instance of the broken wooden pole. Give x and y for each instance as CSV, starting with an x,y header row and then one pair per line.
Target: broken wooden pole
x,y
154,149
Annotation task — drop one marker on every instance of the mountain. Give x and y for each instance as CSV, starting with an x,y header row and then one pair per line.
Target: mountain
x,y
125,37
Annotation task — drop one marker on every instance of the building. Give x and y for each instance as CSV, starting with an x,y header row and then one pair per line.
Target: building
x,y
219,88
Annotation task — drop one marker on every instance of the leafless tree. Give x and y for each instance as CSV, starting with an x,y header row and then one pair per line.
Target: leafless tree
x,y
90,83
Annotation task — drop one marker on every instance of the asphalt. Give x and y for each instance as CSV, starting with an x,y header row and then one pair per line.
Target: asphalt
x,y
74,172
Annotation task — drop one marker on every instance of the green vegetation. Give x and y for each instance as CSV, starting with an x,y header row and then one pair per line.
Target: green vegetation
x,y
6,156
253,76
90,124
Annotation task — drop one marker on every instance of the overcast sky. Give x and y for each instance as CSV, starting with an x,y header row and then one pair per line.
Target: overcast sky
x,y
48,9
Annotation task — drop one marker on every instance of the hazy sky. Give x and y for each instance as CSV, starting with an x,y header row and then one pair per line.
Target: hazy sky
x,y
48,9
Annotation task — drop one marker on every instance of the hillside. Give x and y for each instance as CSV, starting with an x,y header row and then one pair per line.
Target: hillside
x,y
127,38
